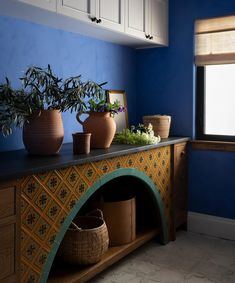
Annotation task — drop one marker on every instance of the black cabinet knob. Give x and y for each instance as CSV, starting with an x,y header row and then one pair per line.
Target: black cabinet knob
x,y
98,21
93,19
147,35
151,37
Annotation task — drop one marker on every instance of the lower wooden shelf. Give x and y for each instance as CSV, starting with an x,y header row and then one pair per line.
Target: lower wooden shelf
x,y
77,274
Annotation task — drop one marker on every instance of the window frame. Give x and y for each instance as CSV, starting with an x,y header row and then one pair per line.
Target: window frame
x,y
200,110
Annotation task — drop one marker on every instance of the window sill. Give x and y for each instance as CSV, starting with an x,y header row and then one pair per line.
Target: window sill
x,y
213,145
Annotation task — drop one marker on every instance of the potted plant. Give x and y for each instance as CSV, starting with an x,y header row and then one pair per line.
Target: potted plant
x,y
37,107
43,130
100,122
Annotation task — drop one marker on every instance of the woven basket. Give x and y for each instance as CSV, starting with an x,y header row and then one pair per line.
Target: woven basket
x,y
86,240
161,124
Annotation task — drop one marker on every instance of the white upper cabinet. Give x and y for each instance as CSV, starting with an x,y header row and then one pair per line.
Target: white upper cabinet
x,y
158,21
44,4
110,14
147,19
136,23
105,13
136,18
83,10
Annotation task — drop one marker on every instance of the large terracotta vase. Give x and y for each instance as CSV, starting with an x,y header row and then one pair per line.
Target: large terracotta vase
x,y
43,134
101,126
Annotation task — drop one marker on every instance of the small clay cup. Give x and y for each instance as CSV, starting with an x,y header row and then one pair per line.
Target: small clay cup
x,y
81,143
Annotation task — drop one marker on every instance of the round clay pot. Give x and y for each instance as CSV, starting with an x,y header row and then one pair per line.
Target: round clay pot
x,y
101,126
43,134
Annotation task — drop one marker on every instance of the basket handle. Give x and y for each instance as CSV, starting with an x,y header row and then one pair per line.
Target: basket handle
x,y
97,213
75,226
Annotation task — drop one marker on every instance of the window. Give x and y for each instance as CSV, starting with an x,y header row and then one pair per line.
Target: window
x,y
216,102
215,78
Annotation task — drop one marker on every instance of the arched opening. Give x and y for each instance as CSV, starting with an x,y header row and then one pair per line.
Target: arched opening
x,y
149,206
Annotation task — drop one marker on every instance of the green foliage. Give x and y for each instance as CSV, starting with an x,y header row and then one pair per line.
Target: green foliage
x,y
14,108
101,105
41,89
76,92
137,135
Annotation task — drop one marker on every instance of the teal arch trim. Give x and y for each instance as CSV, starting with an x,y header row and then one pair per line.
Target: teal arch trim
x,y
100,182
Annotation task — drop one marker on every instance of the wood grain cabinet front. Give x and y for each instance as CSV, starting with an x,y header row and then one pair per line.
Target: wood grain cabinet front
x,y
7,250
9,234
180,186
7,202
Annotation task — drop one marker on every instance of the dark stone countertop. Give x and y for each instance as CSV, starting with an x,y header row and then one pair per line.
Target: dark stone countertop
x,y
16,164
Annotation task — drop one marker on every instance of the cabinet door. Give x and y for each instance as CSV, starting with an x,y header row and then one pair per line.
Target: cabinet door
x,y
180,191
45,4
7,251
136,18
111,14
9,233
82,10
158,21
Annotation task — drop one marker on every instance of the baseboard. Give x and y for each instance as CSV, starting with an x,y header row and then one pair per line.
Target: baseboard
x,y
211,225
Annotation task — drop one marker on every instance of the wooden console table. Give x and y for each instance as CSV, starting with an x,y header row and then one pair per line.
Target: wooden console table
x,y
40,196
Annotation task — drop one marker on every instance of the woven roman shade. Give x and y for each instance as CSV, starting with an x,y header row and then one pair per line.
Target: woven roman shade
x,y
215,41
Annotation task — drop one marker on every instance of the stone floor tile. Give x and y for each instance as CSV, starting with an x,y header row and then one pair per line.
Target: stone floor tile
x,y
192,258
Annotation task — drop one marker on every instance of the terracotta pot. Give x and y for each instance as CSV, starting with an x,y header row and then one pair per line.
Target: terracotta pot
x,y
101,126
81,143
120,218
161,124
44,133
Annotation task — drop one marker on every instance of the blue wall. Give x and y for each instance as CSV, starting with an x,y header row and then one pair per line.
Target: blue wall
x,y
24,44
166,78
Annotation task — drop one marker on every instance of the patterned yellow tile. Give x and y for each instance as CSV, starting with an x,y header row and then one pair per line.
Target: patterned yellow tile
x,y
23,206
88,173
32,277
42,229
72,201
24,270
53,182
24,238
30,250
63,171
72,176
62,216
31,187
51,237
43,176
103,167
30,219
115,163
63,193
53,210
41,258
42,200
81,187
80,168
130,161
